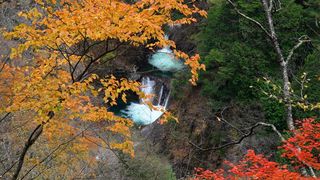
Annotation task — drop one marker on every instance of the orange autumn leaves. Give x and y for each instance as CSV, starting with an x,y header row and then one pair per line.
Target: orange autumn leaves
x,y
194,64
44,83
98,20
42,92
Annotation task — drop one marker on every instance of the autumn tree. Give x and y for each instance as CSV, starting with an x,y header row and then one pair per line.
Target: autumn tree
x,y
68,39
302,149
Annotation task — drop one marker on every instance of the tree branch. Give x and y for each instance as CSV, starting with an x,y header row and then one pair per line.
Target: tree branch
x,y
53,151
249,18
5,116
31,140
302,40
95,60
251,131
4,63
223,119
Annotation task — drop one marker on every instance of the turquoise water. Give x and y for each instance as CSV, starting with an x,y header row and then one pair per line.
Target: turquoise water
x,y
141,113
164,60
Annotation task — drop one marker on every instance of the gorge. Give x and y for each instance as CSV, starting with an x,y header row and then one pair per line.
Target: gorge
x,y
140,112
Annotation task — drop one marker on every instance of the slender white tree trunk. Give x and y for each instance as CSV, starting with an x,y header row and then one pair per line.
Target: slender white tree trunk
x,y
284,67
284,64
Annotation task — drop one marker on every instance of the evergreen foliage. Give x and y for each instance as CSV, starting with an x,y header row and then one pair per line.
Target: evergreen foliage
x,y
237,52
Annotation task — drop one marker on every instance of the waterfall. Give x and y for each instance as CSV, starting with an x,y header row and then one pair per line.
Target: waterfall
x,y
147,87
164,60
160,95
141,113
167,100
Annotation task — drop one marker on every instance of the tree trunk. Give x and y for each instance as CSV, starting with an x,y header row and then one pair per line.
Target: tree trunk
x,y
284,64
31,140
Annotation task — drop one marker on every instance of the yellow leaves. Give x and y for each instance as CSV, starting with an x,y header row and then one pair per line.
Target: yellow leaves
x,y
194,65
167,116
307,106
40,2
123,97
298,96
302,106
203,13
126,147
136,23
47,86
32,14
120,128
8,76
113,88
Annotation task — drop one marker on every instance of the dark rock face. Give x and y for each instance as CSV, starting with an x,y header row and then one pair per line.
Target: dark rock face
x,y
181,35
199,126
127,63
174,138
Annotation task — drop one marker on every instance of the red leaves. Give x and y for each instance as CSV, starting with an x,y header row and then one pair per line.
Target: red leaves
x,y
258,167
207,174
302,149
252,166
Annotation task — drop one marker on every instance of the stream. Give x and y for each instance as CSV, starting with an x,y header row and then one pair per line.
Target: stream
x,y
151,84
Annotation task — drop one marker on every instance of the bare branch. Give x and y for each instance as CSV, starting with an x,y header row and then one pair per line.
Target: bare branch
x,y
283,64
312,172
274,129
223,119
92,61
249,18
4,63
270,5
5,116
227,144
302,40
53,151
251,131
7,170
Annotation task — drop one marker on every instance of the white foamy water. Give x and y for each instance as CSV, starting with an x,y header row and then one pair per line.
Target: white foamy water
x,y
164,60
141,113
